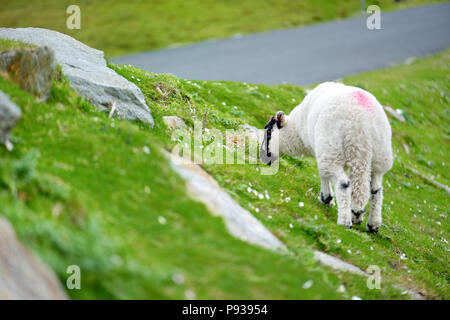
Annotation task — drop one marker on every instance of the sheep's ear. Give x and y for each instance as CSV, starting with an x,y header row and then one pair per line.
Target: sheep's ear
x,y
281,119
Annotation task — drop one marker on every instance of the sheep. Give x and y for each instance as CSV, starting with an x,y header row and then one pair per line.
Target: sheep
x,y
346,129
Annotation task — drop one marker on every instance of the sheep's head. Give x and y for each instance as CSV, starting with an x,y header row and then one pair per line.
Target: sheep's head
x,y
270,146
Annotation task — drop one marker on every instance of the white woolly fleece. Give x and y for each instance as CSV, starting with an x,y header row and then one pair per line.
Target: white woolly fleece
x,y
345,128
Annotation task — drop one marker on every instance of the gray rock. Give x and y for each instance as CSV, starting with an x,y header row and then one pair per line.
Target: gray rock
x,y
32,69
253,132
174,122
9,114
430,179
239,222
397,114
337,264
243,225
340,265
22,275
88,73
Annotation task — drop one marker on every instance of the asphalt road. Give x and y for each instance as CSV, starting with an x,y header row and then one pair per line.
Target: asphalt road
x,y
308,54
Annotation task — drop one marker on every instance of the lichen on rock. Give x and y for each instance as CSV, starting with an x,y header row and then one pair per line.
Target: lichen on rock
x,y
31,69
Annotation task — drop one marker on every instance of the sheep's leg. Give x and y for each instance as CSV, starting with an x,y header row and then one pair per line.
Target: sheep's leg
x,y
376,201
360,180
343,191
326,193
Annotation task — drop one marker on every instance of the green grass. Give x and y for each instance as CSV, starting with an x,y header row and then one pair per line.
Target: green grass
x,y
120,27
415,212
80,190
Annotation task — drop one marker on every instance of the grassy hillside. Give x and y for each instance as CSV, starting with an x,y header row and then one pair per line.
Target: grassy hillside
x,y
412,247
120,27
80,189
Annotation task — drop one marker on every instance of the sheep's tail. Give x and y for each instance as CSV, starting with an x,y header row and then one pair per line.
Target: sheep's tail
x,y
358,160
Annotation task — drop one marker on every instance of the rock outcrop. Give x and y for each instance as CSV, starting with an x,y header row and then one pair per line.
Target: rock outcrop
x,y
31,69
239,222
88,73
253,132
174,122
337,264
9,114
22,275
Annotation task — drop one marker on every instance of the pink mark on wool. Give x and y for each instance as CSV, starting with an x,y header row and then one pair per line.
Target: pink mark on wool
x,y
362,99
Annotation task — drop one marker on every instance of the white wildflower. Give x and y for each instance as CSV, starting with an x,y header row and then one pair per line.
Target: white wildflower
x,y
162,220
146,149
178,278
308,284
341,288
190,295
9,146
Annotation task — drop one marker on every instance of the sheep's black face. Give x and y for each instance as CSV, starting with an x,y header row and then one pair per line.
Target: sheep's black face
x,y
267,155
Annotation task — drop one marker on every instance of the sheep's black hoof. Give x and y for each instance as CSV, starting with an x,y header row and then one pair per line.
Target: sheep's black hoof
x,y
372,229
325,200
357,216
358,213
348,225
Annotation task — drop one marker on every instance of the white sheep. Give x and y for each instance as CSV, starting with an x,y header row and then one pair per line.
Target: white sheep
x,y
344,128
